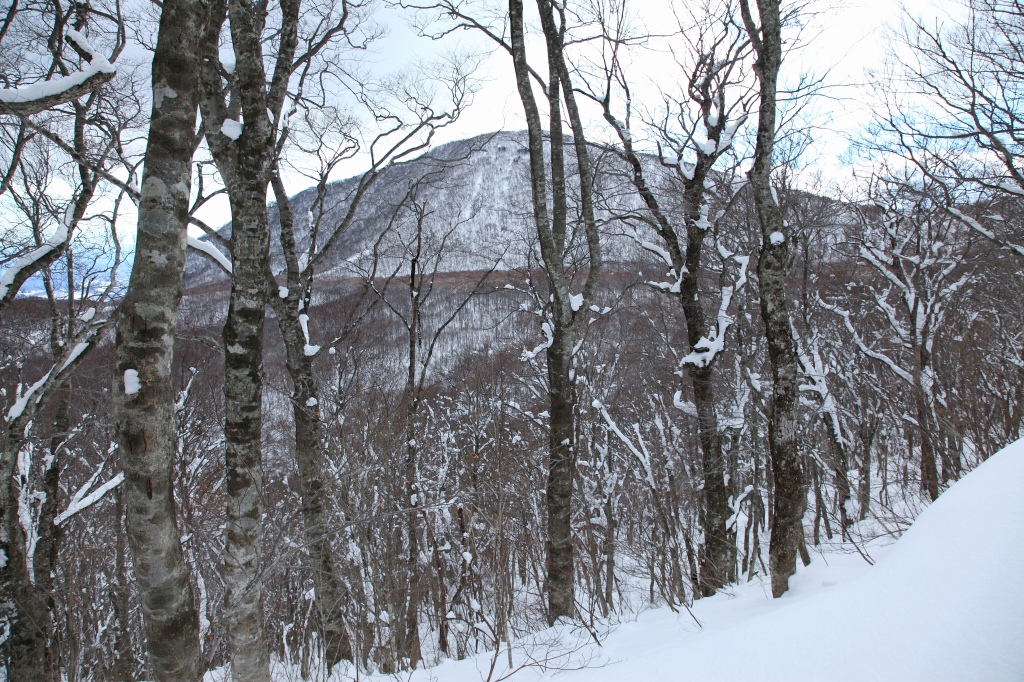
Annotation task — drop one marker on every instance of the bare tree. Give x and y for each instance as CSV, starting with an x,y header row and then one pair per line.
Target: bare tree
x,y
55,123
398,138
143,391
565,311
772,264
952,109
918,258
694,132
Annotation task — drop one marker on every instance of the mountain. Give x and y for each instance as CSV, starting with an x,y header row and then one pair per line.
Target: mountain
x,y
476,193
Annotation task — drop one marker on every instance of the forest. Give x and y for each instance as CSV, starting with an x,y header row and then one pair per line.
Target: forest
x,y
406,398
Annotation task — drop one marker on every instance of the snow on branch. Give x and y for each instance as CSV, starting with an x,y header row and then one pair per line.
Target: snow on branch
x,y
641,454
816,372
83,499
864,348
705,350
549,339
212,251
977,227
37,97
26,265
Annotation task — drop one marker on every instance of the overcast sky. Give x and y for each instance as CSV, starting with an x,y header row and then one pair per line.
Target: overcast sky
x,y
843,39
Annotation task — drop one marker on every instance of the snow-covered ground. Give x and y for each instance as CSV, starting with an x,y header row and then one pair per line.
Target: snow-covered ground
x,y
944,602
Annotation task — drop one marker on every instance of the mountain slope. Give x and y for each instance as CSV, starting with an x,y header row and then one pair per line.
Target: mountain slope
x,y
945,602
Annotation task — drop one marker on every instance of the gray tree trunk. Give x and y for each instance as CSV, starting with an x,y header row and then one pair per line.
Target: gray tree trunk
x,y
309,442
787,472
718,554
243,428
565,322
246,163
145,344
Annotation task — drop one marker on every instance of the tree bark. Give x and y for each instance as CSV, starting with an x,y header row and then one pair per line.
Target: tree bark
x,y
561,571
145,429
309,443
565,322
246,163
787,472
243,427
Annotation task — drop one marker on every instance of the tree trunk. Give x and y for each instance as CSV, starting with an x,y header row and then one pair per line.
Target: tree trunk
x,y
564,320
330,593
309,443
145,429
929,473
787,473
243,402
561,573
718,558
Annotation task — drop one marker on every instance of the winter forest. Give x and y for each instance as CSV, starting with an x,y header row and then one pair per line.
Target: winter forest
x,y
299,380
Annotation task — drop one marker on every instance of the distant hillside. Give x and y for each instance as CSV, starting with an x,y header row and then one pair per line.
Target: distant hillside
x,y
479,186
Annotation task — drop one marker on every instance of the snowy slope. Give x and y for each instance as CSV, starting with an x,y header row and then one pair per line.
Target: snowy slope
x,y
945,602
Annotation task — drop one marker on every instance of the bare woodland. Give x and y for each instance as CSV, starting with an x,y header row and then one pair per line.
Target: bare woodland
x,y
626,357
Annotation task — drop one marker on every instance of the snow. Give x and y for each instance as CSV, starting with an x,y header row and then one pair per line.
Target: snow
x,y
211,251
575,301
60,236
231,128
282,292
82,501
131,382
22,402
98,64
707,147
308,349
944,602
76,351
549,339
702,223
659,251
776,238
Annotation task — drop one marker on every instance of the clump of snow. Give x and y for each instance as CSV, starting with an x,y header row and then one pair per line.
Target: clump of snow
x,y
211,251
308,349
575,301
131,382
282,292
98,64
231,128
703,223
776,238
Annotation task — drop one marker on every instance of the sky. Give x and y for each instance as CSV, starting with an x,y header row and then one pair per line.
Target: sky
x,y
844,40
844,37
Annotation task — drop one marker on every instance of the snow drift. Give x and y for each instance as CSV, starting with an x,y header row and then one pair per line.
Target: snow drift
x,y
945,602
